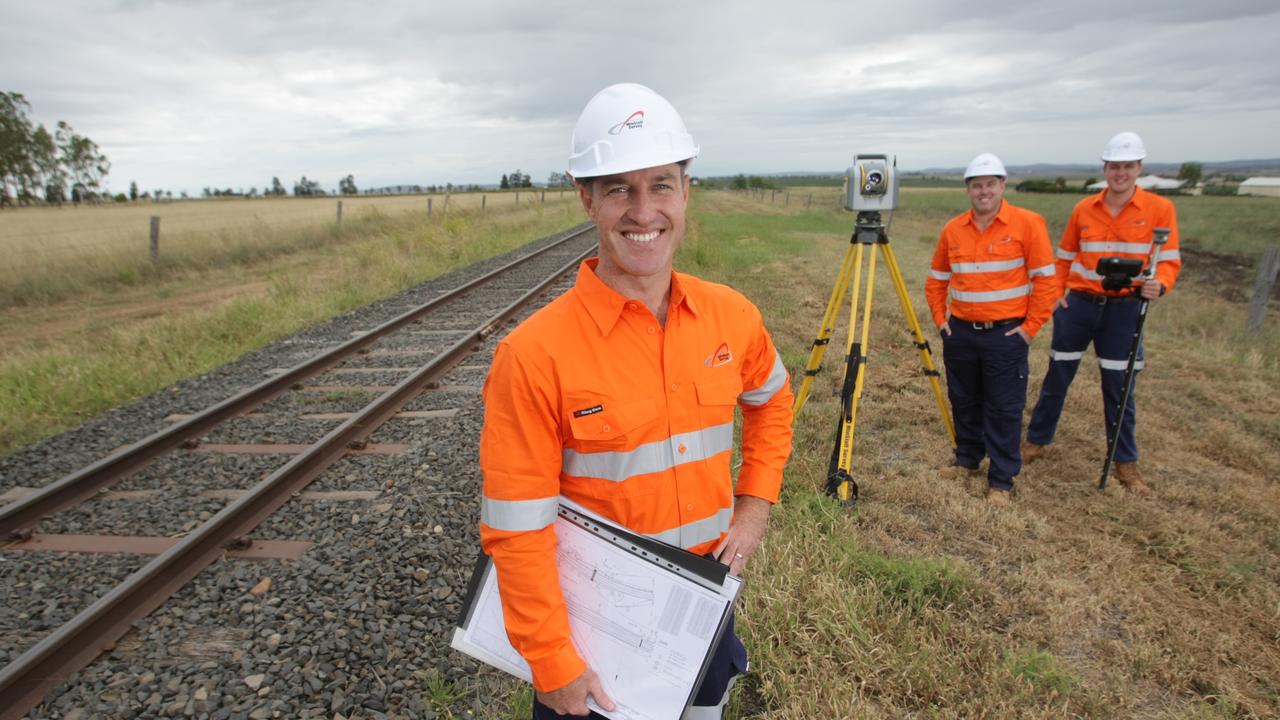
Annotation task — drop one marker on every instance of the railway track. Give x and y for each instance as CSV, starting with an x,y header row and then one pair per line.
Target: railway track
x,y
194,492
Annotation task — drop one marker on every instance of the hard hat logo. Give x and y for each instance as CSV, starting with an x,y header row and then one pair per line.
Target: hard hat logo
x,y
634,122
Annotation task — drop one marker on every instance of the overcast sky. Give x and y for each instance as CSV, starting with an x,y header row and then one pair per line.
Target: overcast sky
x,y
182,95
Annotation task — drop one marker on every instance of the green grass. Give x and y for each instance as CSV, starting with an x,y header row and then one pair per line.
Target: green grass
x,y
1041,669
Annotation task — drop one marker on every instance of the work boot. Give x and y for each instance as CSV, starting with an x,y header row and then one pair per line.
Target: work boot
x,y
954,472
1032,452
1130,479
999,498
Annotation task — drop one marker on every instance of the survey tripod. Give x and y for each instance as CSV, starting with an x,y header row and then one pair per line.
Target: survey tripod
x,y
1160,236
867,231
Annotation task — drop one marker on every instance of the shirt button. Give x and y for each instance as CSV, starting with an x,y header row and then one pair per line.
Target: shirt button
x,y
683,448
689,507
606,428
673,387
631,306
653,330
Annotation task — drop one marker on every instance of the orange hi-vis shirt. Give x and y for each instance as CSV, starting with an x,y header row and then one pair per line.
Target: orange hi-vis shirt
x,y
1092,234
1001,273
593,400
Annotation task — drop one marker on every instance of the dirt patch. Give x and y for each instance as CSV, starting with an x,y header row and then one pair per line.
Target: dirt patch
x,y
49,325
1230,277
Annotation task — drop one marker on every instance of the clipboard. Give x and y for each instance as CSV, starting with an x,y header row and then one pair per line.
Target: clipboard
x,y
645,615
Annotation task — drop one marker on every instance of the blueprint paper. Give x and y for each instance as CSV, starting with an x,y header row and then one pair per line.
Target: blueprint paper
x,y
645,630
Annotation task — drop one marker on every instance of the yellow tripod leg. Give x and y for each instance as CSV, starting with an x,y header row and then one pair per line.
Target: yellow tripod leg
x,y
926,357
851,418
824,331
840,483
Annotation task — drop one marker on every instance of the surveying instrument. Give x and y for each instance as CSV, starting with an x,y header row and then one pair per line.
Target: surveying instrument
x,y
1119,273
872,186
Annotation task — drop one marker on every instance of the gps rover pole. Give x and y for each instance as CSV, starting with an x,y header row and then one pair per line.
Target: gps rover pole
x,y
1160,237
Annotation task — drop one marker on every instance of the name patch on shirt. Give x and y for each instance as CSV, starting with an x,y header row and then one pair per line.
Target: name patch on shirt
x,y
588,411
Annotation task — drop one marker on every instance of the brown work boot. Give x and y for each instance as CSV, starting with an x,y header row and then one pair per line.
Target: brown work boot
x,y
999,498
955,472
1130,479
1032,452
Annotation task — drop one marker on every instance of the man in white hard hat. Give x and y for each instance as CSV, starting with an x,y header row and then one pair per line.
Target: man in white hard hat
x,y
619,396
990,289
1116,222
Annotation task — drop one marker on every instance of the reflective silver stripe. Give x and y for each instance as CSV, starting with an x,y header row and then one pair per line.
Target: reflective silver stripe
x,y
939,275
1120,365
763,394
991,266
518,515
990,295
1059,355
1115,247
651,457
1042,271
698,531
1168,255
1084,272
1066,255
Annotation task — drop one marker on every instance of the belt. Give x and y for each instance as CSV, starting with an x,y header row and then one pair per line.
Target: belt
x,y
988,324
1102,299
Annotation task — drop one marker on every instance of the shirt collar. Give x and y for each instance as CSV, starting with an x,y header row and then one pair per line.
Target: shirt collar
x,y
605,305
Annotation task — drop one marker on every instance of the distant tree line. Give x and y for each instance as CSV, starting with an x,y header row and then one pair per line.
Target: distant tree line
x,y
37,166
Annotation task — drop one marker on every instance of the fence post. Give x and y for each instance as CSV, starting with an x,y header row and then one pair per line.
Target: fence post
x,y
808,201
446,204
544,197
483,199
155,238
787,198
428,207
339,212
1267,270
517,198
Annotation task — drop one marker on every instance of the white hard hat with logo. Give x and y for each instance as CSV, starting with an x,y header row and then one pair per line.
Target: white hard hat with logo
x,y
983,165
627,127
1124,147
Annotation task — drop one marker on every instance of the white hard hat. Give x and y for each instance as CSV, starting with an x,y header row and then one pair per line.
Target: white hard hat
x,y
985,164
1124,147
627,127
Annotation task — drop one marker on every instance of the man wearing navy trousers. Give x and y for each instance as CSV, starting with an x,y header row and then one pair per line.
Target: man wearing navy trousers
x,y
990,289
1116,222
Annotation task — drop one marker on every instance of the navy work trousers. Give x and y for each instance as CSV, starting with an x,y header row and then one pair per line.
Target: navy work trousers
x,y
987,385
1110,328
729,659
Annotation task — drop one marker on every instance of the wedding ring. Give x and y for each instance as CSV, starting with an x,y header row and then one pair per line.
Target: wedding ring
x,y
738,555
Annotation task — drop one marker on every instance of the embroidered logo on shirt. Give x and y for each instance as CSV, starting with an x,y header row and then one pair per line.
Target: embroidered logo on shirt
x,y
588,411
722,356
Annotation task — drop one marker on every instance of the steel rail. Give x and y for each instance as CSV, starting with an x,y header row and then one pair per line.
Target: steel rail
x,y
25,681
24,514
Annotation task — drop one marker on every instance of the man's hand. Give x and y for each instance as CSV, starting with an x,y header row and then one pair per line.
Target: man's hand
x,y
1020,333
1062,301
945,328
750,518
572,698
1151,289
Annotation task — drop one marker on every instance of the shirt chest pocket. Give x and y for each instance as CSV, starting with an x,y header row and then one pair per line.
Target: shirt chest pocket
x,y
1006,247
717,399
604,424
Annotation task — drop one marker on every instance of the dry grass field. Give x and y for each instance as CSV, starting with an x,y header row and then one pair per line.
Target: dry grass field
x,y
51,252
83,335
